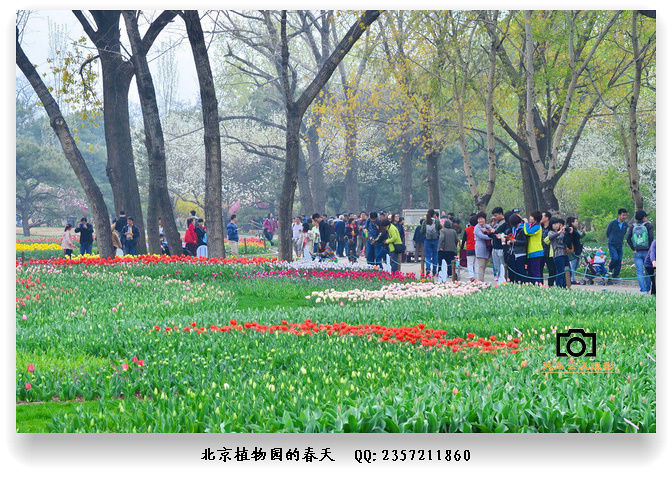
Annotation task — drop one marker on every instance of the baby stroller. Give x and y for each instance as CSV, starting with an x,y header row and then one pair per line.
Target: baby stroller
x,y
327,255
592,271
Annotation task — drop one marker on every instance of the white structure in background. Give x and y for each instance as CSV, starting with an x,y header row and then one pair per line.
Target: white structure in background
x,y
386,266
443,273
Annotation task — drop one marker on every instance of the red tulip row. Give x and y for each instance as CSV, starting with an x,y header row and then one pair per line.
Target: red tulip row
x,y
147,260
412,335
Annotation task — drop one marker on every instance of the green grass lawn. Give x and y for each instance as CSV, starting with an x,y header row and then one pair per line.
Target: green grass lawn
x,y
35,418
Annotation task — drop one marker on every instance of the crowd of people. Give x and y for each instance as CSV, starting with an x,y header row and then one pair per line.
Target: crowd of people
x,y
196,236
373,236
517,248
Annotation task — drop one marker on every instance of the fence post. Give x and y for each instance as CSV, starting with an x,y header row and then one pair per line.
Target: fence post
x,y
453,270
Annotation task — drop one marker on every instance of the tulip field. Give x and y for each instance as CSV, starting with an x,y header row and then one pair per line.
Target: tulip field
x,y
176,344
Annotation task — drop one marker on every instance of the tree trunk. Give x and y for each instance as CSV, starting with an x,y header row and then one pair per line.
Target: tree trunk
x,y
295,111
432,150
116,75
159,204
101,217
292,142
305,195
407,154
25,219
490,128
631,151
351,174
213,153
549,202
316,168
434,192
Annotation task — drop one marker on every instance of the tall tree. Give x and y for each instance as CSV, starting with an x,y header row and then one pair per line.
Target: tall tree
x,y
421,106
295,110
555,51
465,55
351,83
117,74
639,54
213,149
159,204
101,217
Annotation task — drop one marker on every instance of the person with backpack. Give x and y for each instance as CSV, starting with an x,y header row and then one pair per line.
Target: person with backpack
x,y
430,229
639,238
616,231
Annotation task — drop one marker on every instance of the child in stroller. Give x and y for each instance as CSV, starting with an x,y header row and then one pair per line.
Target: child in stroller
x,y
594,266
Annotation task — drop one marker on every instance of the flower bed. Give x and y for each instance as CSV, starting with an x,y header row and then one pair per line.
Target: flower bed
x,y
401,291
156,346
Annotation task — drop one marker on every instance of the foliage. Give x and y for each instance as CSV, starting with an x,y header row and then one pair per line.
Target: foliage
x,y
595,195
77,74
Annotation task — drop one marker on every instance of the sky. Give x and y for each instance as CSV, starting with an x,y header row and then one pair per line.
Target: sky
x,y
36,46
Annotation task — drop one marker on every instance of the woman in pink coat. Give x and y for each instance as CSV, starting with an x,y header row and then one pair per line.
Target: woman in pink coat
x,y
67,244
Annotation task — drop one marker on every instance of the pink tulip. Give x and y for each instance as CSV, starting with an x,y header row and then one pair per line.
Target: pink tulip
x,y
25,317
28,386
83,310
31,368
124,366
114,309
141,362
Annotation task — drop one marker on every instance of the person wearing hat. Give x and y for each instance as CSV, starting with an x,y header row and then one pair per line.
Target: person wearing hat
x,y
616,231
85,231
639,238
599,262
